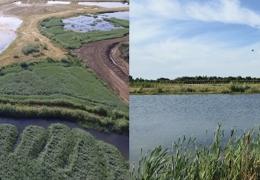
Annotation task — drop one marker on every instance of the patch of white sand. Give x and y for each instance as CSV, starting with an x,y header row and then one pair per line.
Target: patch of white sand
x,y
58,2
20,4
104,4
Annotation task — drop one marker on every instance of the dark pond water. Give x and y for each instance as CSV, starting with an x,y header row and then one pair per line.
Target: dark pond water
x,y
120,141
161,120
91,23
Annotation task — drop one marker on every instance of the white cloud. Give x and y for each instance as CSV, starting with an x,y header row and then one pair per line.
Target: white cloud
x,y
225,11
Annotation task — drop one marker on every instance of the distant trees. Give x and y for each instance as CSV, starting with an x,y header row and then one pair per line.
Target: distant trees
x,y
198,80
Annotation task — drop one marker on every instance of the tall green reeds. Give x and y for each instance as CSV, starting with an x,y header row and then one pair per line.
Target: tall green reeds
x,y
236,159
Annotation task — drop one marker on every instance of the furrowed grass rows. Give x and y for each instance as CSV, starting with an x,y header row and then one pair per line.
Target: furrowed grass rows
x,y
238,159
59,153
8,136
32,141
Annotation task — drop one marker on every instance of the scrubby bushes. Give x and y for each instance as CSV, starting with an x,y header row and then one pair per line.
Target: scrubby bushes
x,y
235,87
30,49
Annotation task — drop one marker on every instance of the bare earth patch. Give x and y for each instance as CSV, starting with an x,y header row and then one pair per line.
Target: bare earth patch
x,y
103,58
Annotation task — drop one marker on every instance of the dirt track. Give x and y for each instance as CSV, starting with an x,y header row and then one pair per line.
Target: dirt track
x,y
102,57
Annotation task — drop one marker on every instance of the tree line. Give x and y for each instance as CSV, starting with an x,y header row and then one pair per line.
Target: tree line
x,y
198,80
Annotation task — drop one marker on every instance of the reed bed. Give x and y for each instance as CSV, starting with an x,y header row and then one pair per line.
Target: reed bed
x,y
237,158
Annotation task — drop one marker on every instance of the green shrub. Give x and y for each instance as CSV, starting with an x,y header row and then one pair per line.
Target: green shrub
x,y
30,49
236,87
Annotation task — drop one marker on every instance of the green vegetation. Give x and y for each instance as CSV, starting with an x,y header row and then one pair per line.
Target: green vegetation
x,y
57,153
195,85
53,28
31,48
119,22
238,159
63,90
124,50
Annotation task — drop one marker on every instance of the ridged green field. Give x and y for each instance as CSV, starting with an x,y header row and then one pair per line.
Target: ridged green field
x,y
57,152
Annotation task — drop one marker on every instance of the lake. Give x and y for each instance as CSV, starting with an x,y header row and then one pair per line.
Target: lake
x,y
8,26
161,120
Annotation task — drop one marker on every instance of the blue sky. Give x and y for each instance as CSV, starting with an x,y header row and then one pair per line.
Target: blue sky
x,y
173,38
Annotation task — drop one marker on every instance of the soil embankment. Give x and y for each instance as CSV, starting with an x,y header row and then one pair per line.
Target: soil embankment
x,y
103,58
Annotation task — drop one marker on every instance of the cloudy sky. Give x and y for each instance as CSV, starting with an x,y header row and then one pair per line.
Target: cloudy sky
x,y
173,38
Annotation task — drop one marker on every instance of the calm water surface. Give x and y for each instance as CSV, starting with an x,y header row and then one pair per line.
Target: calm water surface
x,y
91,23
161,120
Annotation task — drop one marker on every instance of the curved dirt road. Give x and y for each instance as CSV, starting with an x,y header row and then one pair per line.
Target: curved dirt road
x,y
100,56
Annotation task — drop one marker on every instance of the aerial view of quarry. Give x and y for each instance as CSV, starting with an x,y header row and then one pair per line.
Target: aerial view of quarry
x,y
64,89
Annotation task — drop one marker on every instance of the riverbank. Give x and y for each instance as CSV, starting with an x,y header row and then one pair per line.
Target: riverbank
x,y
183,88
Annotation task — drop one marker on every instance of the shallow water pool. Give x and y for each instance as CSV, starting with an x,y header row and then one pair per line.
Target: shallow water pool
x,y
8,26
91,23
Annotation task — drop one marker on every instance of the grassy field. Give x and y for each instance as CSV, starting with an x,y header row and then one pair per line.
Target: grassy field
x,y
53,28
238,159
179,88
65,90
57,153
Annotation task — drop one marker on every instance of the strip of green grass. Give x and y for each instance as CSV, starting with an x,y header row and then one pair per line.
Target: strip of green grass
x,y
57,153
60,90
53,28
238,159
175,88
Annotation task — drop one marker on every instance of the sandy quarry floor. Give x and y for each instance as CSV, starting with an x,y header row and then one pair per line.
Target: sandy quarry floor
x,y
103,58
